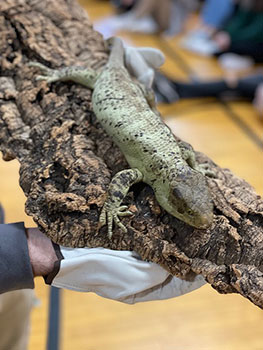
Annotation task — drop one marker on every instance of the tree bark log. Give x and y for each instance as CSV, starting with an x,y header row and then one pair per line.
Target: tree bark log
x,y
67,160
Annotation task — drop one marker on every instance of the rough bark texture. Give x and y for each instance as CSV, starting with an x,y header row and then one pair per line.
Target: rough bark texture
x,y
67,160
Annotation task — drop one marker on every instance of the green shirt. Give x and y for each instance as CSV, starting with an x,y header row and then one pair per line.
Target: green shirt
x,y
245,25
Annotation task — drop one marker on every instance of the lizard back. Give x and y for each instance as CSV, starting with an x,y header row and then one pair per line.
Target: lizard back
x,y
122,109
148,144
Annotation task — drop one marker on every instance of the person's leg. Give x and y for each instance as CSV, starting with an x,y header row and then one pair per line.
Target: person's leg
x,y
159,11
247,86
123,6
15,309
201,89
214,13
169,90
245,48
144,8
162,14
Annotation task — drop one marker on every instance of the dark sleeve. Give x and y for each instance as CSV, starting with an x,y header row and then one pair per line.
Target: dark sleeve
x,y
15,268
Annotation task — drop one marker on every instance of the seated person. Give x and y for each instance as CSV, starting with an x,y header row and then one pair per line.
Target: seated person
x,y
233,28
251,87
243,33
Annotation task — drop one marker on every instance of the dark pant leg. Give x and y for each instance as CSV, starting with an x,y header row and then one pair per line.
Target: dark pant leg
x,y
201,89
245,48
247,86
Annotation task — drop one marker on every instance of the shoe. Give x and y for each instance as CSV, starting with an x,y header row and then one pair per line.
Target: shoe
x,y
109,26
2,215
200,45
196,35
233,62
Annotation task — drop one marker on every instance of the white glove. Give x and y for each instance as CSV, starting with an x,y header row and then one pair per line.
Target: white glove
x,y
118,275
142,61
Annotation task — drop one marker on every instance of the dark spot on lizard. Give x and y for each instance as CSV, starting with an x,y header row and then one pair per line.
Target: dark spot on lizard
x,y
118,194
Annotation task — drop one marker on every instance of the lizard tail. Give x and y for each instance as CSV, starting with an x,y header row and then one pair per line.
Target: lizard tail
x,y
116,57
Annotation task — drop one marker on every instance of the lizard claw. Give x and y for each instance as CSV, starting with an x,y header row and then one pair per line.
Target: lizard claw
x,y
109,216
39,65
49,79
204,169
49,75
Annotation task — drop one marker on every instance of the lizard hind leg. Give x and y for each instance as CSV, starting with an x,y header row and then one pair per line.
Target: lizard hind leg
x,y
188,155
81,75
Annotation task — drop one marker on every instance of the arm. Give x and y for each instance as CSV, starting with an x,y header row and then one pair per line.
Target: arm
x,y
15,267
24,254
119,275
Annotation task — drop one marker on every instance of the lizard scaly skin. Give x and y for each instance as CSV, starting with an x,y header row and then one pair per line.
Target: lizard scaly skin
x,y
126,111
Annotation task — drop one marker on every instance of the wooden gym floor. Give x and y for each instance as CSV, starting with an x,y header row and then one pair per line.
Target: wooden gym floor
x,y
231,134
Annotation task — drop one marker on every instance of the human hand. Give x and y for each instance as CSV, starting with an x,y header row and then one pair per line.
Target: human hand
x,y
223,40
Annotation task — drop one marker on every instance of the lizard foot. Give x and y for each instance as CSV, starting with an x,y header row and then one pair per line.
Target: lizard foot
x,y
50,75
204,169
109,216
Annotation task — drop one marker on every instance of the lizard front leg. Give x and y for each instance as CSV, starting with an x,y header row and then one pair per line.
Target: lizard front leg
x,y
117,191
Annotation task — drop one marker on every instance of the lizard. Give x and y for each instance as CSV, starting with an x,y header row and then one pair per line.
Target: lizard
x,y
126,110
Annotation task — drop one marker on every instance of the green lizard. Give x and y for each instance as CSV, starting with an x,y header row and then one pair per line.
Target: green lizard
x,y
126,110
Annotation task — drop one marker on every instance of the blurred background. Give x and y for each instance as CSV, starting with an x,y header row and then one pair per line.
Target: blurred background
x,y
210,92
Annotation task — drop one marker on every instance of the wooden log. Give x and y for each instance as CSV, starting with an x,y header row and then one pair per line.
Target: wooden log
x,y
67,160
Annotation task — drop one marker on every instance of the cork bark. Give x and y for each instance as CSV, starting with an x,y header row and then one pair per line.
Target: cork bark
x,y
67,160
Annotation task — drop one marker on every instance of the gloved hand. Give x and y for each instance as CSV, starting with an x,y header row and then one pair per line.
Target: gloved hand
x,y
142,61
118,275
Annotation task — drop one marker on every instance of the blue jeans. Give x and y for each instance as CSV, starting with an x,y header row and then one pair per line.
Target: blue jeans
x,y
215,12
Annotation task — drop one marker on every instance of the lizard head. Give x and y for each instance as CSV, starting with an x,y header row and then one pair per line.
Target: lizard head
x,y
186,196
